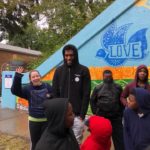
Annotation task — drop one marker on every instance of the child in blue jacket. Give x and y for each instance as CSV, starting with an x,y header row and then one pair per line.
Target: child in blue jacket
x,y
36,92
137,120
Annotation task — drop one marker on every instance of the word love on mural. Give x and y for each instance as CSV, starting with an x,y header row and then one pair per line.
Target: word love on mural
x,y
116,48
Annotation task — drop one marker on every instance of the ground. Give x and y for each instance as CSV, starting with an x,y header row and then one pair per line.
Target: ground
x,y
14,134
10,142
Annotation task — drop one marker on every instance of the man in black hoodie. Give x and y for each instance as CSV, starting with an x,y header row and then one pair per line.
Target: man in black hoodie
x,y
72,80
105,102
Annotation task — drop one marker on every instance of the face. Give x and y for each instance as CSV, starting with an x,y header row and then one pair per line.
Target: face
x,y
69,57
35,78
142,74
69,118
132,102
107,77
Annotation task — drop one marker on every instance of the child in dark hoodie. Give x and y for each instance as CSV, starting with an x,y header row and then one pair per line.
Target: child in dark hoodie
x,y
100,137
141,80
58,135
137,120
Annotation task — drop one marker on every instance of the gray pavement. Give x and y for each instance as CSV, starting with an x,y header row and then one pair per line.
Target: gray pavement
x,y
14,122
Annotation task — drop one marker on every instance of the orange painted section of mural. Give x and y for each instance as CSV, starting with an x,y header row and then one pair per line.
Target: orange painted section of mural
x,y
49,76
21,104
143,3
96,73
119,73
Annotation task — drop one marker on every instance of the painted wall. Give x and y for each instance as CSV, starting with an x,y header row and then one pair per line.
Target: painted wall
x,y
118,39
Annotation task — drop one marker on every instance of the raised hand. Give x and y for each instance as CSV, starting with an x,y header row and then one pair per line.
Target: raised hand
x,y
19,69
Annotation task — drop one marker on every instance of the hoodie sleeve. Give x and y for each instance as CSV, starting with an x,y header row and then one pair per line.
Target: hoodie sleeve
x,y
17,89
124,95
127,133
55,84
93,100
86,92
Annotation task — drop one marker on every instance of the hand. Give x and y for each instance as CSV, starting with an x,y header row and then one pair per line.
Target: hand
x,y
19,69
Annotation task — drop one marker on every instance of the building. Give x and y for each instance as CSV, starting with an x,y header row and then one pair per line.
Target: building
x,y
13,56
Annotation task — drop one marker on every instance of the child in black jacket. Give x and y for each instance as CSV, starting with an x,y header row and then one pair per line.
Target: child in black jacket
x,y
58,135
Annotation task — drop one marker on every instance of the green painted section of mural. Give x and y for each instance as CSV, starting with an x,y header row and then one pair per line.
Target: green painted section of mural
x,y
94,83
121,82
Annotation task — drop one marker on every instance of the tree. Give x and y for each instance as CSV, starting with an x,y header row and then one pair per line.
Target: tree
x,y
15,16
64,18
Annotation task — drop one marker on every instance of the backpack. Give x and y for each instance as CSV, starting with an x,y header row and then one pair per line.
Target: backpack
x,y
108,99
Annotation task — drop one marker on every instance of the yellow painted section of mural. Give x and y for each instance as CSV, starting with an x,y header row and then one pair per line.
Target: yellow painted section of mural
x,y
96,73
143,3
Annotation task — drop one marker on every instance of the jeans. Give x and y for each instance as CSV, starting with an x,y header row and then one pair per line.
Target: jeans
x,y
117,134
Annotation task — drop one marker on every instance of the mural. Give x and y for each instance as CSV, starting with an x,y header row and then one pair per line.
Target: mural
x,y
119,45
116,48
144,3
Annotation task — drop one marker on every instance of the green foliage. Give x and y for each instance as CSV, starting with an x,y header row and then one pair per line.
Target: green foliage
x,y
64,17
15,16
33,38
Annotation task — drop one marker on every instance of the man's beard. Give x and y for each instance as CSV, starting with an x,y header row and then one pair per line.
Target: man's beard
x,y
108,80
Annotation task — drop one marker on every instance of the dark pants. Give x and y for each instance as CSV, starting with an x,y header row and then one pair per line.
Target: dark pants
x,y
36,130
117,134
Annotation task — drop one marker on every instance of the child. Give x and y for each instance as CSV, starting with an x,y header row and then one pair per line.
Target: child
x,y
137,120
100,137
58,135
36,92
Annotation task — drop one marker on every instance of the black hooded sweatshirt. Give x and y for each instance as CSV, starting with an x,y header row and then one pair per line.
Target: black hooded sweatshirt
x,y
105,100
73,83
56,136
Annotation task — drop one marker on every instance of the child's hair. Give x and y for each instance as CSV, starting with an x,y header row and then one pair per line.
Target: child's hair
x,y
33,71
